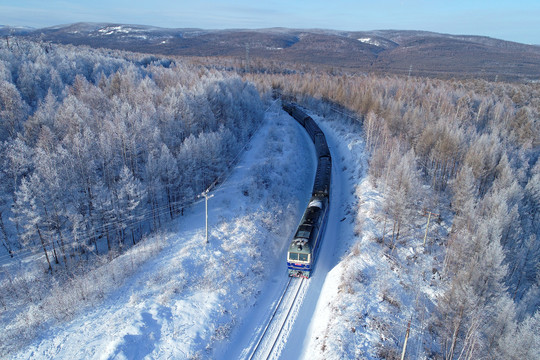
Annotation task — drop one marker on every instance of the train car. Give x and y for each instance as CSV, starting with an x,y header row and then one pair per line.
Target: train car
x,y
306,242
296,113
321,147
311,128
321,185
305,245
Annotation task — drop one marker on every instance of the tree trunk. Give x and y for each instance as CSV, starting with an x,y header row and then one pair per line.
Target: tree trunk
x,y
450,354
169,200
56,261
90,205
44,248
5,237
62,246
154,204
394,240
393,234
94,240
443,175
108,238
384,230
435,170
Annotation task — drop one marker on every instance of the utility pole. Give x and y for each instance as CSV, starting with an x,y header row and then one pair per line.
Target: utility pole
x,y
406,339
427,226
206,197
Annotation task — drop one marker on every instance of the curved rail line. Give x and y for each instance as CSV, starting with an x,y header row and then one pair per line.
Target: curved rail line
x,y
282,325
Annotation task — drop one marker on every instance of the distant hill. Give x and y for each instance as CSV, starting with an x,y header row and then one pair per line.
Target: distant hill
x,y
393,51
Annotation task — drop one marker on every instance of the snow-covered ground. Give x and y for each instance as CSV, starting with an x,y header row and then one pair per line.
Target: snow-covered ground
x,y
211,301
372,291
193,300
309,317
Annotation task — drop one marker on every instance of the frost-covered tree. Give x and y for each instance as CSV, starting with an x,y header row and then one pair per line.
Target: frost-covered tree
x,y
467,310
523,342
12,110
168,168
28,214
129,197
403,192
17,161
95,114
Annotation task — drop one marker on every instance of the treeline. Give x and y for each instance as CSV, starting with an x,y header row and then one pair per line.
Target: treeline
x,y
100,147
467,148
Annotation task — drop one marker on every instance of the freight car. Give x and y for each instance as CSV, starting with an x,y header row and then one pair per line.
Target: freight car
x,y
305,244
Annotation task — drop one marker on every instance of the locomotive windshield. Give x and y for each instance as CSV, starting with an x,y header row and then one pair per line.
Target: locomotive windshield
x,y
298,257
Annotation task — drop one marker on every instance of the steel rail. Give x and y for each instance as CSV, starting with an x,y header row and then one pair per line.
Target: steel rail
x,y
274,312
286,318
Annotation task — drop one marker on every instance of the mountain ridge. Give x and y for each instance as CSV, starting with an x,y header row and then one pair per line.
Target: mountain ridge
x,y
415,52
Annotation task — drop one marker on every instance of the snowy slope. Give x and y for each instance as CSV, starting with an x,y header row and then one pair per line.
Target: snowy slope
x,y
256,317
309,317
348,158
337,239
187,302
197,301
372,293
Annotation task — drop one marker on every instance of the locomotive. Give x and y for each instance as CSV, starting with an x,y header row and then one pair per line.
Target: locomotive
x,y
306,242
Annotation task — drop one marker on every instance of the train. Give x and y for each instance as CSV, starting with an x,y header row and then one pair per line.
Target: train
x,y
306,242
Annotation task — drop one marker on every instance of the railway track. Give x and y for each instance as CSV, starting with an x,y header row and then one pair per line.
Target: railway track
x,y
278,326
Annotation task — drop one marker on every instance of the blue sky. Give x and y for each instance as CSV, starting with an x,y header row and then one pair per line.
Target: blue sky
x,y
517,20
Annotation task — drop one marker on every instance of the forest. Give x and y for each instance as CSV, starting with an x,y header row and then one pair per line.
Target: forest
x,y
93,142
100,148
467,150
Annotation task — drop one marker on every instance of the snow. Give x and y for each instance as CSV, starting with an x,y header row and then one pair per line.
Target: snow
x,y
187,301
194,301
109,30
311,313
370,41
125,30
372,292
